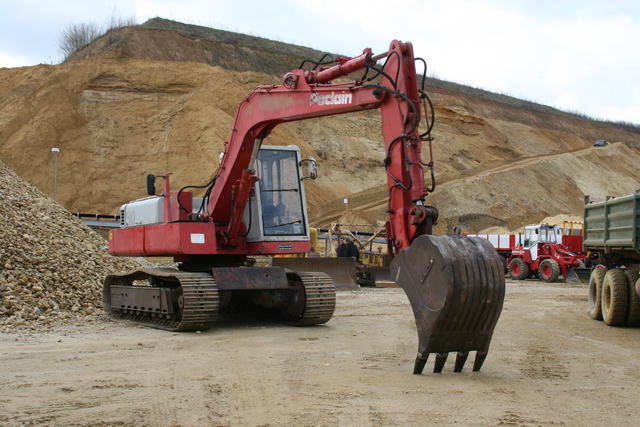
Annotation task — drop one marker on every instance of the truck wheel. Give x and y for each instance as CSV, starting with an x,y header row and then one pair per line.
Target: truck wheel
x,y
614,297
595,292
518,269
633,314
549,270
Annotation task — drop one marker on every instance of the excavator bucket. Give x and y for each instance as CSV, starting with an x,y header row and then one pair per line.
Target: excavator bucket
x,y
456,287
578,275
381,277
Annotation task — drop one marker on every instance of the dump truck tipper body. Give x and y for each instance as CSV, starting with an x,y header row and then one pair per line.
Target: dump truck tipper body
x,y
613,227
612,234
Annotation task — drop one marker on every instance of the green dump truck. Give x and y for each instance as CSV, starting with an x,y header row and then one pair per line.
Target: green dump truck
x,y
612,237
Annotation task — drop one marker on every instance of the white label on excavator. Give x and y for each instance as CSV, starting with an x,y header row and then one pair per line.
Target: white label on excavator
x,y
197,238
331,98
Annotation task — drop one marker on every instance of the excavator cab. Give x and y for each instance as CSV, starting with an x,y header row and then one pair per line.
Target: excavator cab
x,y
277,211
276,214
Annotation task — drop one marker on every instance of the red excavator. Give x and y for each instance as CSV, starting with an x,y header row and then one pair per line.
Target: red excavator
x,y
254,205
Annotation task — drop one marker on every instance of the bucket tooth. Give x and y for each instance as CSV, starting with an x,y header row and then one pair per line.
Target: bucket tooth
x,y
477,364
456,288
420,363
461,359
441,359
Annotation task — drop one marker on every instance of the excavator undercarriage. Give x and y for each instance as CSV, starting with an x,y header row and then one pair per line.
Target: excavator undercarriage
x,y
180,301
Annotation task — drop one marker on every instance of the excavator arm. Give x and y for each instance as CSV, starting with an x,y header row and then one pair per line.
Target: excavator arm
x,y
310,94
455,284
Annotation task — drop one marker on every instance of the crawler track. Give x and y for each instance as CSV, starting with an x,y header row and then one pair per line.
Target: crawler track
x,y
320,295
199,308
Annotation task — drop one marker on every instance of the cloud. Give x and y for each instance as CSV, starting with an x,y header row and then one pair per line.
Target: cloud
x,y
30,29
567,100
625,114
9,61
576,57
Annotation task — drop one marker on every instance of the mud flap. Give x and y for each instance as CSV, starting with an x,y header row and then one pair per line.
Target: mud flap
x,y
456,287
578,275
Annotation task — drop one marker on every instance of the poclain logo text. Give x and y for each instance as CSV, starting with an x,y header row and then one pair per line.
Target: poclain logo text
x,y
331,98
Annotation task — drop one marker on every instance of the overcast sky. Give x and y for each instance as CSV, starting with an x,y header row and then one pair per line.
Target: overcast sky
x,y
578,55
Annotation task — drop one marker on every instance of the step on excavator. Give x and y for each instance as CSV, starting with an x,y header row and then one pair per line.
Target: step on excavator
x,y
254,205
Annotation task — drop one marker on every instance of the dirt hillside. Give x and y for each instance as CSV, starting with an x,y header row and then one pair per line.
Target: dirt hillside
x,y
118,117
166,40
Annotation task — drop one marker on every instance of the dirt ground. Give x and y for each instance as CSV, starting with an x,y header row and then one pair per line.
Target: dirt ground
x,y
549,364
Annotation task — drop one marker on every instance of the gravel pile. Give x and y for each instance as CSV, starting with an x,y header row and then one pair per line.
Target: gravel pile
x,y
51,264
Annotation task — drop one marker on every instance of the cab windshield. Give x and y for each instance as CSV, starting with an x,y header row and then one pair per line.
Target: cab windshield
x,y
280,195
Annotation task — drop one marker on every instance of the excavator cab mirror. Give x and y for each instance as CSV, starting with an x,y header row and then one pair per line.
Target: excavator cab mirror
x,y
151,185
312,168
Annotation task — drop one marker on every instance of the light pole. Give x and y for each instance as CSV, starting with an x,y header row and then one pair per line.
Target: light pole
x,y
55,172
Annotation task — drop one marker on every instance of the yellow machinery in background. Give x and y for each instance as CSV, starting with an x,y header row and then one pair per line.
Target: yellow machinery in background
x,y
371,270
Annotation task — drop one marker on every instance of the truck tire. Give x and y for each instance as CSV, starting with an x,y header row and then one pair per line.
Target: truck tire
x,y
549,270
518,269
633,312
614,297
595,292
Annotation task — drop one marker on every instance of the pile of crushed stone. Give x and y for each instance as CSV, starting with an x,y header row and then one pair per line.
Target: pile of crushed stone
x,y
51,264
